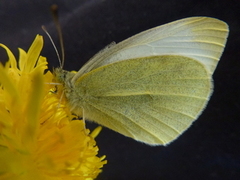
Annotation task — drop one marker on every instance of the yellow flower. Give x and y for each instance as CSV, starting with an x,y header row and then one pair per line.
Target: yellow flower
x,y
39,138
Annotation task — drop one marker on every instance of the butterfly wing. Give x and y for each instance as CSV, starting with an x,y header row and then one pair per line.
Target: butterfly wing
x,y
152,86
200,38
152,99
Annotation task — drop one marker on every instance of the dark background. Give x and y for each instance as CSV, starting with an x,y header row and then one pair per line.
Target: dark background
x,y
210,149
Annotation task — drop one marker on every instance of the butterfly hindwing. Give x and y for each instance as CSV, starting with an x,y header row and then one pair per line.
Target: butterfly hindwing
x,y
152,99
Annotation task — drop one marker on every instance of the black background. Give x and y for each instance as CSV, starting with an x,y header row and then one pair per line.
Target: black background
x,y
210,148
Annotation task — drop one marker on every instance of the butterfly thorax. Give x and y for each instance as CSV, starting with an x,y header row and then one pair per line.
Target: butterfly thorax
x,y
65,78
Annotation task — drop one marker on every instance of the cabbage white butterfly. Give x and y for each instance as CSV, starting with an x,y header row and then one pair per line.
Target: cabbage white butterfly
x,y
151,86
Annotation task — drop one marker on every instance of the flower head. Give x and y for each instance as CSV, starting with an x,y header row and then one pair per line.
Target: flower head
x,y
38,137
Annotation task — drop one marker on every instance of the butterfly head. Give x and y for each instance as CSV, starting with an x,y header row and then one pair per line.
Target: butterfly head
x,y
63,76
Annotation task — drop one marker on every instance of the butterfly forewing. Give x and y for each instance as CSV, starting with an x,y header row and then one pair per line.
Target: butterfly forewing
x,y
201,38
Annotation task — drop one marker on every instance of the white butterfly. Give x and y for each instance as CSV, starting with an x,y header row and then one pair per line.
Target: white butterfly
x,y
152,86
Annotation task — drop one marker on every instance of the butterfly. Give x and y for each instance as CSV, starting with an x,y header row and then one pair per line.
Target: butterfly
x,y
151,86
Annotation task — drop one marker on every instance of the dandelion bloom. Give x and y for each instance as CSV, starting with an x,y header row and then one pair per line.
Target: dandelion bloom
x,y
38,137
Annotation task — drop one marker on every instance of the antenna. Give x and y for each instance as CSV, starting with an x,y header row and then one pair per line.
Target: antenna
x,y
54,46
54,10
